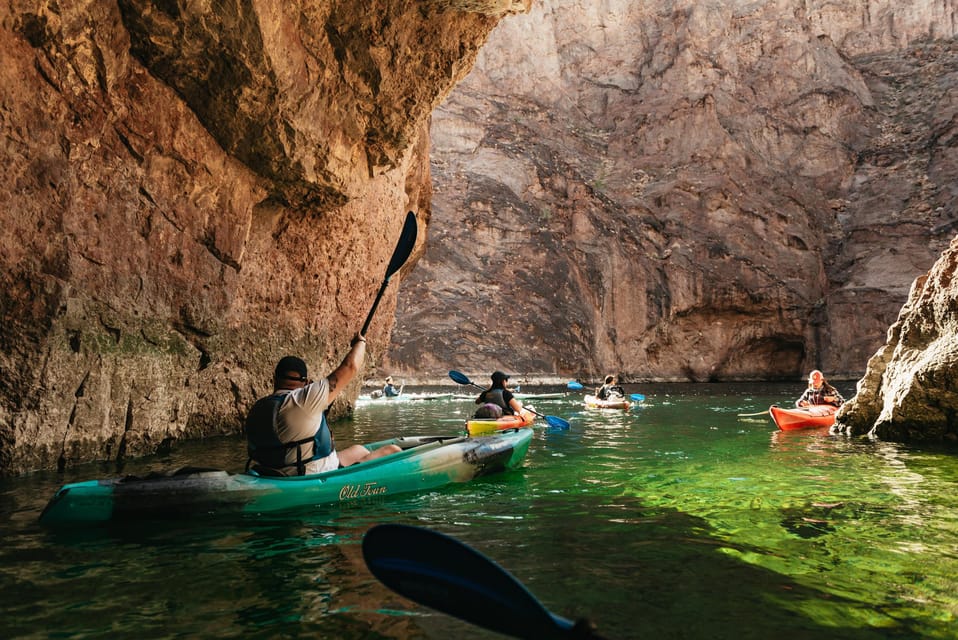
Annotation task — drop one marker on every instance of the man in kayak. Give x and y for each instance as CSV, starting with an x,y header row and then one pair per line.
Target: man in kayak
x,y
497,396
389,390
610,390
286,431
819,392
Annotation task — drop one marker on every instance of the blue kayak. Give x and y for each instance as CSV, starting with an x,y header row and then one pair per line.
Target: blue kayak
x,y
425,462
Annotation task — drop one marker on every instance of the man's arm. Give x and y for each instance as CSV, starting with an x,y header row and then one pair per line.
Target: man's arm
x,y
349,367
834,397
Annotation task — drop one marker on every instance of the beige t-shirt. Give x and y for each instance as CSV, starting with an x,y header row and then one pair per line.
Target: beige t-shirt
x,y
300,417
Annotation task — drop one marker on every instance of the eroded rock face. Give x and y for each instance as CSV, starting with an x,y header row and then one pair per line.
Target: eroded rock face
x,y
189,192
910,390
686,190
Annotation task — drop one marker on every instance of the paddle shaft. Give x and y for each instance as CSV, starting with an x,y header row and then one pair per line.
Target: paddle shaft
x,y
553,421
752,415
526,407
372,310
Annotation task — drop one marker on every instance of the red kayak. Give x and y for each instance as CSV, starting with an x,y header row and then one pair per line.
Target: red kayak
x,y
815,416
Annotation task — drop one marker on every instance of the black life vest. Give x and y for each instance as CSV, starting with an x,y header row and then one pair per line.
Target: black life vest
x,y
495,396
264,445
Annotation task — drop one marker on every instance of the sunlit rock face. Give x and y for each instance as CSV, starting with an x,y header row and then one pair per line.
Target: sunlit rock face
x,y
686,190
189,191
910,388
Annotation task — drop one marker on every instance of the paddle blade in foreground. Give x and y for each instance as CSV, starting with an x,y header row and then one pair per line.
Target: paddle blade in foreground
x,y
445,574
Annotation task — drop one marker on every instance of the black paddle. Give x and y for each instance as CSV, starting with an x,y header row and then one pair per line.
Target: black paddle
x,y
445,574
407,240
553,421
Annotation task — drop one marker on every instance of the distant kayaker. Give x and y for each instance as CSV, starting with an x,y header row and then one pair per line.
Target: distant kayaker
x,y
819,392
610,389
390,391
497,396
286,431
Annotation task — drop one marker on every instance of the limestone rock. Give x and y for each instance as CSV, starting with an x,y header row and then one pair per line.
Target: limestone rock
x,y
910,389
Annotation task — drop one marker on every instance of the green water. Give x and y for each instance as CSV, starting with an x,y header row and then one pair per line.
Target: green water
x,y
676,520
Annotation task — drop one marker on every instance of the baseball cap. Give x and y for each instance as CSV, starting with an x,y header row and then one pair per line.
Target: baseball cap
x,y
288,365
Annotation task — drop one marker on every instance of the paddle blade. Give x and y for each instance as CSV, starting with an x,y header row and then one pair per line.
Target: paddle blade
x,y
459,378
445,574
557,422
404,247
407,240
637,397
574,386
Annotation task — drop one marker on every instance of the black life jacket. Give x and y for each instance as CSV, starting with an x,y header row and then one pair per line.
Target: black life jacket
x,y
495,396
264,445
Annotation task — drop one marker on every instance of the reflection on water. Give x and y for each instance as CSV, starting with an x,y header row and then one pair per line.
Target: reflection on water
x,y
675,519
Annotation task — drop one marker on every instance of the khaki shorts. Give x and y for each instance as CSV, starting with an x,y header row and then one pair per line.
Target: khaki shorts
x,y
329,463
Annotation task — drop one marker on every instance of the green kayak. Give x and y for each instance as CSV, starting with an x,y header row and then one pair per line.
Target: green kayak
x,y
425,462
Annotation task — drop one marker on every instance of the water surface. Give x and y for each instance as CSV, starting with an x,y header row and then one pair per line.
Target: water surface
x,y
678,519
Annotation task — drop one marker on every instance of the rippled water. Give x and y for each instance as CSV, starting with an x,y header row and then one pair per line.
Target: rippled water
x,y
676,520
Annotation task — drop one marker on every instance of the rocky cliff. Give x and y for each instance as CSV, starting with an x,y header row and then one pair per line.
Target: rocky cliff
x,y
686,190
189,191
910,389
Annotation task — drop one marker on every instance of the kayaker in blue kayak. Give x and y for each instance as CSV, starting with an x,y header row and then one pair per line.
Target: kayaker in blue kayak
x,y
497,396
819,392
390,391
286,431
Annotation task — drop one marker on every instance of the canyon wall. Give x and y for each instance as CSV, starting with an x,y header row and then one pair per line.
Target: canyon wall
x,y
670,190
684,190
189,191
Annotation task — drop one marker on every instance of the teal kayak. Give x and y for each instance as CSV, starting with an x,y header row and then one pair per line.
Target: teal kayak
x,y
425,462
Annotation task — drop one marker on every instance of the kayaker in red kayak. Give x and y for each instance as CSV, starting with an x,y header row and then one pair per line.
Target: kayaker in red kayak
x,y
498,396
286,432
819,392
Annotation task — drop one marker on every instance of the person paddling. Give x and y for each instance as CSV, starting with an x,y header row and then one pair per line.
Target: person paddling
x,y
819,392
497,397
610,389
287,433
390,390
